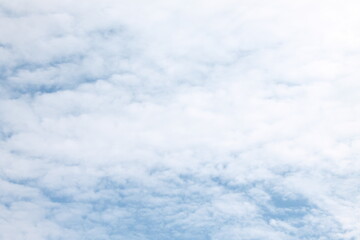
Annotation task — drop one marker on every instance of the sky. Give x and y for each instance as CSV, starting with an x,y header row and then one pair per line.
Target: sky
x,y
179,120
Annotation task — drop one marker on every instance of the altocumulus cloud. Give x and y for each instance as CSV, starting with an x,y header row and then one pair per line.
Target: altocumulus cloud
x,y
189,120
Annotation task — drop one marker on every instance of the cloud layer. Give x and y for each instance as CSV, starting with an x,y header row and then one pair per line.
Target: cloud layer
x,y
179,120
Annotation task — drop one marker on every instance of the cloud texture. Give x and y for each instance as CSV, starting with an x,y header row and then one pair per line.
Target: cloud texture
x,y
191,120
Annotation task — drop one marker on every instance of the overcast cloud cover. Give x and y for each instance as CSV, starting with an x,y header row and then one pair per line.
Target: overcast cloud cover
x,y
179,120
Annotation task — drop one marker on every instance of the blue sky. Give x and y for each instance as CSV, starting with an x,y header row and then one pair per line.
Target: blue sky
x,y
179,120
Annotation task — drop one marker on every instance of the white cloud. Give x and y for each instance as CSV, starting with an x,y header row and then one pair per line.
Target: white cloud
x,y
179,120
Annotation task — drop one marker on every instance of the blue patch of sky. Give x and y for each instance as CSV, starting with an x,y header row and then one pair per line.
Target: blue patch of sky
x,y
157,219
5,134
57,196
279,206
160,222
